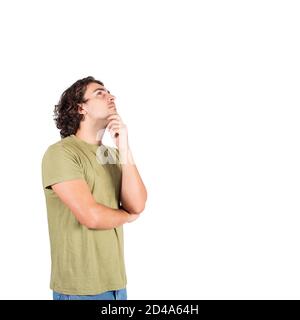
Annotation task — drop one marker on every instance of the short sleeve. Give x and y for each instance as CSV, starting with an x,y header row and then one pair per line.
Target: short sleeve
x,y
58,165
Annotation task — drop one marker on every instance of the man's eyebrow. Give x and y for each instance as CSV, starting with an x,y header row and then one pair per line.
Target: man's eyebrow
x,y
100,89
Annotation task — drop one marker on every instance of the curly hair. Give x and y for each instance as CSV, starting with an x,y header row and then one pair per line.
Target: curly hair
x,y
66,115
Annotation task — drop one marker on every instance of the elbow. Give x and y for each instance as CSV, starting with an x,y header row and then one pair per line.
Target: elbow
x,y
141,206
138,208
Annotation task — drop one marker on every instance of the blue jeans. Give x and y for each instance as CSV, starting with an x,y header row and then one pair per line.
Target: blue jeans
x,y
120,294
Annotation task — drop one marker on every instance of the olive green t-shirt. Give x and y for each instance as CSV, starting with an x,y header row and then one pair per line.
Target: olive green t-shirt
x,y
83,261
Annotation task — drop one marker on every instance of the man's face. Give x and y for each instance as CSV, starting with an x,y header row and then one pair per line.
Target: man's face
x,y
100,102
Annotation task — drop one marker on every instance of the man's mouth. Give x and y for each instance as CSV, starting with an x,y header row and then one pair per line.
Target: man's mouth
x,y
112,108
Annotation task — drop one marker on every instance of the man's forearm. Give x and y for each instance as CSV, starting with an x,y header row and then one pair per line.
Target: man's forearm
x,y
133,190
104,218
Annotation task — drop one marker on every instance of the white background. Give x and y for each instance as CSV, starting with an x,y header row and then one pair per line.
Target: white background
x,y
209,91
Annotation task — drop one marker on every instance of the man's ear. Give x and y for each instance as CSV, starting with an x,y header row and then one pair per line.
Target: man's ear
x,y
81,108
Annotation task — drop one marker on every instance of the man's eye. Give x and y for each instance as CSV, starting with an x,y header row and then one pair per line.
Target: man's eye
x,y
99,92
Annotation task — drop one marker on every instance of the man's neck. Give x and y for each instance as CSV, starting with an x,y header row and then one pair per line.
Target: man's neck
x,y
91,134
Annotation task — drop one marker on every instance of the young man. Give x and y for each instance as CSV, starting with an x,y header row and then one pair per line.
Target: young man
x,y
91,190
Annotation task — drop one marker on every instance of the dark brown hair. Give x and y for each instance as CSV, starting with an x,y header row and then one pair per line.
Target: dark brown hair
x,y
66,115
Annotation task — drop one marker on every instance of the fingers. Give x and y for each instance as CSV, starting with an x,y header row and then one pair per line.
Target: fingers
x,y
113,123
114,117
115,126
114,130
133,216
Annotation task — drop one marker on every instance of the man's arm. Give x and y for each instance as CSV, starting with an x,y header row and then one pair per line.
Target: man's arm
x,y
133,190
76,195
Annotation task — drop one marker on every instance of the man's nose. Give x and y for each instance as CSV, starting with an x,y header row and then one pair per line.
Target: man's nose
x,y
111,98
